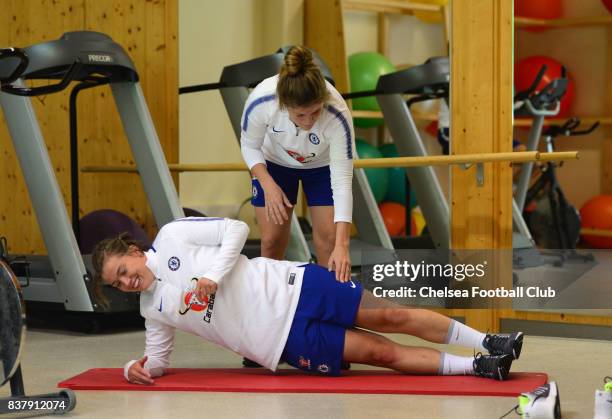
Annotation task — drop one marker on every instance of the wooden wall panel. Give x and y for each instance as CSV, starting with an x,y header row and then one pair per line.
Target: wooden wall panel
x,y
148,31
324,32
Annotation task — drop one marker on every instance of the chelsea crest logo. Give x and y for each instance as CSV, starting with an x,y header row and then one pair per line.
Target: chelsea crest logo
x,y
312,137
174,263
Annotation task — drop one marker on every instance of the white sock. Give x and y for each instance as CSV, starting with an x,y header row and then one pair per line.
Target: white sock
x,y
455,365
460,334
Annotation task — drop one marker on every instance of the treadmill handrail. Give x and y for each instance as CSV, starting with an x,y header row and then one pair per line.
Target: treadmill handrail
x,y
429,80
23,63
44,90
252,72
201,87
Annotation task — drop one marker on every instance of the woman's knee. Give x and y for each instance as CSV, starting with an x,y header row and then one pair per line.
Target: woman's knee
x,y
397,316
273,245
325,238
382,354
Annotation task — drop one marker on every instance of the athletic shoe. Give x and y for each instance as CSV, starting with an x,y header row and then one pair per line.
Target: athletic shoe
x,y
496,367
541,403
603,401
504,344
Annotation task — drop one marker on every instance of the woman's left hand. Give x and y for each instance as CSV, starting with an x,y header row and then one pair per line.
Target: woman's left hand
x,y
340,261
205,287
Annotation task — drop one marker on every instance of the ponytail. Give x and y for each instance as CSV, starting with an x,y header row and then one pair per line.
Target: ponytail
x,y
300,82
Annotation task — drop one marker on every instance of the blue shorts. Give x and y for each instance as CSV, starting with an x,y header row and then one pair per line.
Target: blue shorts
x,y
325,310
316,184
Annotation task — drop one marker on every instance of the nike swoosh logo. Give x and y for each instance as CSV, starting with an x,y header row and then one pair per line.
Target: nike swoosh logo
x,y
353,284
160,305
273,129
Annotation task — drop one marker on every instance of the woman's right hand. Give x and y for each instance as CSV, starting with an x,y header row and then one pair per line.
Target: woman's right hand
x,y
138,374
276,201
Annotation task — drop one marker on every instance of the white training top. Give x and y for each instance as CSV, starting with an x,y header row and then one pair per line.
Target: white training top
x,y
251,312
269,134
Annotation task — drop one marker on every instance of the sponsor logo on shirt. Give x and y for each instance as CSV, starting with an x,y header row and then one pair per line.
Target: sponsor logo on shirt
x,y
298,157
312,137
352,284
160,305
273,129
190,301
291,279
304,363
174,263
323,368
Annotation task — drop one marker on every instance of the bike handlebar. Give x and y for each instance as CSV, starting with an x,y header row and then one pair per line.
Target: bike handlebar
x,y
568,129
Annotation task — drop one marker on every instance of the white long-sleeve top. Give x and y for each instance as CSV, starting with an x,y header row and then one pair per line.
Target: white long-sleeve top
x,y
269,134
250,313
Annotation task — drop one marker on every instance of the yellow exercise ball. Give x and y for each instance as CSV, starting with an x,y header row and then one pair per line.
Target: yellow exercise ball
x,y
431,17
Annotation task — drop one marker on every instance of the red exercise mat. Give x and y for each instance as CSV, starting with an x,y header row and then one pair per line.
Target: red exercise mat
x,y
295,381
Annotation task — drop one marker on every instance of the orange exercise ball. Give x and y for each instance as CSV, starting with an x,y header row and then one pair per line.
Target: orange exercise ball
x,y
394,216
596,213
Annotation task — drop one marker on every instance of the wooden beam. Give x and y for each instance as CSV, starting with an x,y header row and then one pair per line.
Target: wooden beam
x,y
383,34
467,160
324,33
481,106
556,317
584,120
390,6
596,232
522,22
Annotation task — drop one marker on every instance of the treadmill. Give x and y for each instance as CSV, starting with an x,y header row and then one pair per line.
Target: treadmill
x,y
64,277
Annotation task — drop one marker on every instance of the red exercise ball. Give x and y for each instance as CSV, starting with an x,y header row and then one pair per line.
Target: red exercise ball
x,y
526,70
608,4
394,216
538,9
597,213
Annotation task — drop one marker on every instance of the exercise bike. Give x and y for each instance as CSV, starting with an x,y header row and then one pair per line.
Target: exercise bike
x,y
553,221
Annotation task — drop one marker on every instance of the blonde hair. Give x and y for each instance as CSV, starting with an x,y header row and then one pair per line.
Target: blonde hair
x,y
300,82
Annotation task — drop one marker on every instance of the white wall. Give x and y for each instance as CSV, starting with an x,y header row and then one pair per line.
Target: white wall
x,y
212,35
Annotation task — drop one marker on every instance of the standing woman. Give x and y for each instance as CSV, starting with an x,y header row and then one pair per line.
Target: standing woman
x,y
296,127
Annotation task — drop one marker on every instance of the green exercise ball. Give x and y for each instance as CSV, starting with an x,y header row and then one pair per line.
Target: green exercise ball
x,y
397,176
364,70
377,178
